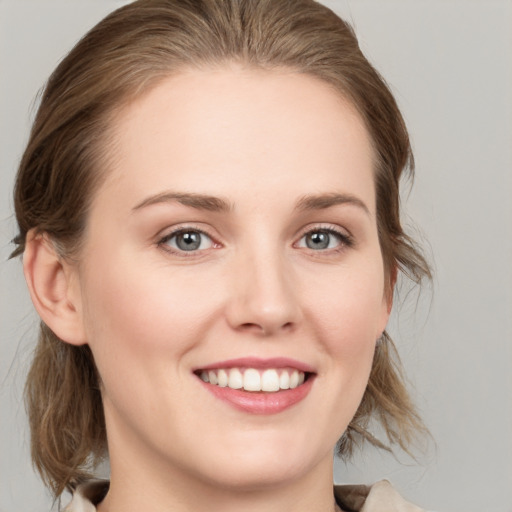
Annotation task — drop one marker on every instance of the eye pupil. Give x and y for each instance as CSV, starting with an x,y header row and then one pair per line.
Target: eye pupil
x,y
189,241
318,240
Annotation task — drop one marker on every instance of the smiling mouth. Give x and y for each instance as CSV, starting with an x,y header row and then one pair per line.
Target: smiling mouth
x,y
268,380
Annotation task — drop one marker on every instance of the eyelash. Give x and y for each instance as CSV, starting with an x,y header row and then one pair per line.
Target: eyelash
x,y
345,240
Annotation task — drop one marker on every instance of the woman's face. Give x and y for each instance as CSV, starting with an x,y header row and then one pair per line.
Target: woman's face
x,y
235,242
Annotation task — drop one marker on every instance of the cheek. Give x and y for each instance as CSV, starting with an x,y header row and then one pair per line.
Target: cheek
x,y
352,313
141,330
348,314
132,317
134,314
350,317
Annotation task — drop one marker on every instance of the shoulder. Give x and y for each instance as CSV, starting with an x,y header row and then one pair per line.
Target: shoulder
x,y
380,497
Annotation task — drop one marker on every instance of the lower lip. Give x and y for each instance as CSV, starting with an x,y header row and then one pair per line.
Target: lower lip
x,y
261,402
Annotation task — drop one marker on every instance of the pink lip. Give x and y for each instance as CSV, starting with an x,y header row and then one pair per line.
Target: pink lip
x,y
256,362
260,402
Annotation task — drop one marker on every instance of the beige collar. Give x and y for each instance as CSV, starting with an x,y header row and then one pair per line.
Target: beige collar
x,y
380,497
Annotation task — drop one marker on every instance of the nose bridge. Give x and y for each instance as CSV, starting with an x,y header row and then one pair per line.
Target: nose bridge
x,y
265,298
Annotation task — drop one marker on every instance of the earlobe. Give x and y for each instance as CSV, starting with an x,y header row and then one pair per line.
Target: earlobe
x,y
53,288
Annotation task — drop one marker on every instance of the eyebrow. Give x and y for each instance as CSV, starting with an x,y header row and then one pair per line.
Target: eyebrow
x,y
324,201
217,204
198,201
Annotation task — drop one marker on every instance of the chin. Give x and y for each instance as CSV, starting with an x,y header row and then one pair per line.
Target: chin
x,y
257,475
264,464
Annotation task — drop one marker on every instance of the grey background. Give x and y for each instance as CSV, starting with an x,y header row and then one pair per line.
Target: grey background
x,y
449,63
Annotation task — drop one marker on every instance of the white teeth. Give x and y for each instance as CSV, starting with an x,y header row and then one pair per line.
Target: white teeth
x,y
294,379
284,380
236,380
270,381
222,376
251,379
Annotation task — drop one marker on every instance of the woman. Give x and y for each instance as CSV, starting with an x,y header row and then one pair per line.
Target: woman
x,y
208,209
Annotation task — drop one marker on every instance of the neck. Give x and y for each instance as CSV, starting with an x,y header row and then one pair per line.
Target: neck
x,y
263,478
136,487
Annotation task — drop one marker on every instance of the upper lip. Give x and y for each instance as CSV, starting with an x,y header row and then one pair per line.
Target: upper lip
x,y
259,363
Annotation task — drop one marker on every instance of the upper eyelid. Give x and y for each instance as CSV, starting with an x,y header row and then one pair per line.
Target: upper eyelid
x,y
180,228
326,226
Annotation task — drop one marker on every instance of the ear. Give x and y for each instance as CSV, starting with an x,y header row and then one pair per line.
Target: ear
x,y
54,288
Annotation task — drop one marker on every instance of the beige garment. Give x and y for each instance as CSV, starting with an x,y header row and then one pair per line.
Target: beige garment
x,y
380,497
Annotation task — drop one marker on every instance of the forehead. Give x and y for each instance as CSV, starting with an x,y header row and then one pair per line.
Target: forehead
x,y
215,130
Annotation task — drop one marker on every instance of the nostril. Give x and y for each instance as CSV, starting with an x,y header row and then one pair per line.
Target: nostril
x,y
265,329
248,326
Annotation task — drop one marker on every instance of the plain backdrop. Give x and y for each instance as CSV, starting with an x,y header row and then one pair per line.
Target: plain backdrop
x,y
449,63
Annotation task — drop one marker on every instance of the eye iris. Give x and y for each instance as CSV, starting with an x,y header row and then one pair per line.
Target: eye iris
x,y
318,240
189,241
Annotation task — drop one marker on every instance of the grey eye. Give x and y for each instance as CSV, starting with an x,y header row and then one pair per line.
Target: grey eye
x,y
189,241
321,239
318,240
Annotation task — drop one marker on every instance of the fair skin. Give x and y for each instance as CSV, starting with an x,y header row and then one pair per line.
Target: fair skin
x,y
237,221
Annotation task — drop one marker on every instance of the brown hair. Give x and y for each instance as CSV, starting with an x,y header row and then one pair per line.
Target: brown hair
x,y
126,53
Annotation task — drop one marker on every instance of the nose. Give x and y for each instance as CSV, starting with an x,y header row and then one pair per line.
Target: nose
x,y
264,298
